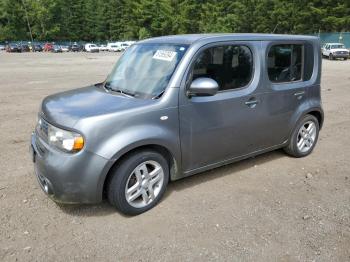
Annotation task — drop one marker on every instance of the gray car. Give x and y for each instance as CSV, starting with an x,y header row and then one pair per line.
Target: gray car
x,y
176,106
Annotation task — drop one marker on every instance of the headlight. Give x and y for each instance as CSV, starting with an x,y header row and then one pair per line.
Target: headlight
x,y
65,140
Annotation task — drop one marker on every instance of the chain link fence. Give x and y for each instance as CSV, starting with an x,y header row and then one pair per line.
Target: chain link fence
x,y
337,37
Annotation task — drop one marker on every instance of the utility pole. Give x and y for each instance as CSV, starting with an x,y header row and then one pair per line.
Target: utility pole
x,y
30,29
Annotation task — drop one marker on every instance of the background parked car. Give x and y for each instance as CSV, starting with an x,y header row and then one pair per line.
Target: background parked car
x,y
114,47
56,49
2,47
335,50
103,48
92,48
13,48
123,46
24,48
37,48
65,48
48,47
76,47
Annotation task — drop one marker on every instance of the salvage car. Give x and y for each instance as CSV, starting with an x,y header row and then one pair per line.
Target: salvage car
x,y
13,48
48,47
65,48
37,48
56,49
335,50
24,48
177,106
76,47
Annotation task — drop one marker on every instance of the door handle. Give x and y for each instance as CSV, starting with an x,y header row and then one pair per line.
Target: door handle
x,y
251,103
299,95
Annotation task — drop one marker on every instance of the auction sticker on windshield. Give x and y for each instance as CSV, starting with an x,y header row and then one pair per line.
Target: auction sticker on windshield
x,y
164,55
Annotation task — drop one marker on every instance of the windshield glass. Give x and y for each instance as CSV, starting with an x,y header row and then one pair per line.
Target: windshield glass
x,y
144,70
337,46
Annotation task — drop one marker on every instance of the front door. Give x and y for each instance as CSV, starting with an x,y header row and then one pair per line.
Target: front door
x,y
228,124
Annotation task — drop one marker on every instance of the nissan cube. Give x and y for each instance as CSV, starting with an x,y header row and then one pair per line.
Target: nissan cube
x,y
176,106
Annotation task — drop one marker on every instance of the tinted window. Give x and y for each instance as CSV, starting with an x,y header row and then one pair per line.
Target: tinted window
x,y
230,66
285,63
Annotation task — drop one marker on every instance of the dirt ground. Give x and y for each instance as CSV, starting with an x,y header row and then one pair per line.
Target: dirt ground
x,y
269,208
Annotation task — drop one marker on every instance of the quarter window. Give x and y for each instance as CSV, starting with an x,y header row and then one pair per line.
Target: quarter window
x,y
285,63
231,66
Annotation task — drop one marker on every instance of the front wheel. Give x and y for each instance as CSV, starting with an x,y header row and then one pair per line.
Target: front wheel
x,y
138,182
304,137
331,57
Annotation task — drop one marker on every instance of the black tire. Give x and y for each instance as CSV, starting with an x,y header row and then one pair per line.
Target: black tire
x,y
345,58
120,175
331,57
292,148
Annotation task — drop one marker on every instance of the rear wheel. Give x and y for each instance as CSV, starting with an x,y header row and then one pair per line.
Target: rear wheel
x,y
304,137
138,182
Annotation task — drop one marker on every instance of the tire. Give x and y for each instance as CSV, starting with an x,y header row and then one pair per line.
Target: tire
x,y
135,172
331,57
345,58
292,148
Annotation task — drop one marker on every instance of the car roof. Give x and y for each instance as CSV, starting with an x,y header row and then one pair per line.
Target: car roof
x,y
191,38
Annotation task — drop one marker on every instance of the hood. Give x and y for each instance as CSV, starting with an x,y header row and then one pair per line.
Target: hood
x,y
68,107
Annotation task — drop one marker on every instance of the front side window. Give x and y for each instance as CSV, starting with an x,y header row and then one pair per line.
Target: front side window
x,y
285,63
230,66
145,70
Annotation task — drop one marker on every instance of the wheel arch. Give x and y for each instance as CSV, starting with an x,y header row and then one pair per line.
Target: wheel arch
x,y
319,116
173,163
304,110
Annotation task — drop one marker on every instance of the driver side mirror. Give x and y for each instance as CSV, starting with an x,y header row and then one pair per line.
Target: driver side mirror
x,y
203,86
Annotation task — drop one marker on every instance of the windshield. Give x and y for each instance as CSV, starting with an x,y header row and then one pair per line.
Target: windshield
x,y
144,70
337,46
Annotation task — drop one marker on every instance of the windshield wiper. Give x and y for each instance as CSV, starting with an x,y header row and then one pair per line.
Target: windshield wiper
x,y
159,94
108,87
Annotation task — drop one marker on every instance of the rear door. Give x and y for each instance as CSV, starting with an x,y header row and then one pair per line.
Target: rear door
x,y
289,67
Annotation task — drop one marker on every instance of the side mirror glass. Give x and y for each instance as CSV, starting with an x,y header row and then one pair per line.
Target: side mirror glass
x,y
203,86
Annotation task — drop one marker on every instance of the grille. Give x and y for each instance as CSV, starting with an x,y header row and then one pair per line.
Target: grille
x,y
341,52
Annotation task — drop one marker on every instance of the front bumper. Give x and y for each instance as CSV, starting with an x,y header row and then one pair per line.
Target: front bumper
x,y
335,55
68,178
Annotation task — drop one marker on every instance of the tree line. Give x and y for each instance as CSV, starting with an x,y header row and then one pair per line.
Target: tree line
x,y
103,20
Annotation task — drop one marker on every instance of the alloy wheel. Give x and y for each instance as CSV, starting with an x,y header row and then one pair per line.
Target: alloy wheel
x,y
144,184
306,136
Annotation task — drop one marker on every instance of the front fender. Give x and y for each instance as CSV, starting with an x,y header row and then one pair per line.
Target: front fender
x,y
135,137
113,135
138,136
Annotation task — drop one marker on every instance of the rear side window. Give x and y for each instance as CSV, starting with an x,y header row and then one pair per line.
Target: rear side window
x,y
231,66
290,62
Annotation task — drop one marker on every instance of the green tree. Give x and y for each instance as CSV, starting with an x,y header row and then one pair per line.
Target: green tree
x,y
110,20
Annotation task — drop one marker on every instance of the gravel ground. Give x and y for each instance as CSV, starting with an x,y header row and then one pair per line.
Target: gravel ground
x,y
269,208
